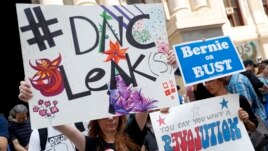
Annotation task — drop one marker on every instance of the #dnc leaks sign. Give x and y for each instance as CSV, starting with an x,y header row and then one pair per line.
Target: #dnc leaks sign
x,y
193,126
208,59
91,62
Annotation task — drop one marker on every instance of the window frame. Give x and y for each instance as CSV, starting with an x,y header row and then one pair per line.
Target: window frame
x,y
265,6
233,17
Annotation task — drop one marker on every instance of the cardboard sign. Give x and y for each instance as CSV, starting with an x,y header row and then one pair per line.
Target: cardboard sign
x,y
208,59
248,50
90,62
197,126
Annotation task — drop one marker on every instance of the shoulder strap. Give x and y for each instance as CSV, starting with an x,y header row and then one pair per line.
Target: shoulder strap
x,y
43,134
80,126
43,137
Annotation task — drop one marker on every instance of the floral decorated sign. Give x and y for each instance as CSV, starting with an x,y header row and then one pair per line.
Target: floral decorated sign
x,y
91,62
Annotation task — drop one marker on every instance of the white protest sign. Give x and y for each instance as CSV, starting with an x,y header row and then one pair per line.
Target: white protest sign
x,y
211,124
90,62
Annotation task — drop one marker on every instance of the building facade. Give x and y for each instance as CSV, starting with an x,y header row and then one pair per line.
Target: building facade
x,y
245,21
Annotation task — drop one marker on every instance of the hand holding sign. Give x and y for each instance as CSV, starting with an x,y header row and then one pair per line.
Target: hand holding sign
x,y
193,126
217,57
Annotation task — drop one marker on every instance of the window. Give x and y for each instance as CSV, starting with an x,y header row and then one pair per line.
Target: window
x,y
233,12
135,1
265,6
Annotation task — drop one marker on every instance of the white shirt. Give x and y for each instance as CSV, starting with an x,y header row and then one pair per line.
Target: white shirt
x,y
56,141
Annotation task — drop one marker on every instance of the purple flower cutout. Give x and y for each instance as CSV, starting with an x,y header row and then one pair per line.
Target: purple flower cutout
x,y
125,99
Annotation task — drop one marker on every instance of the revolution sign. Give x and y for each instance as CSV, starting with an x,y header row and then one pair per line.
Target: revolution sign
x,y
192,126
207,59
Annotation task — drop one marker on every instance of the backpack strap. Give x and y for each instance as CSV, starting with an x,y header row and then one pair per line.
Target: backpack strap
x,y
43,137
80,126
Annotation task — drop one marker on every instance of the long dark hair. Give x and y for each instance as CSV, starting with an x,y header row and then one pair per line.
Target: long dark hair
x,y
122,141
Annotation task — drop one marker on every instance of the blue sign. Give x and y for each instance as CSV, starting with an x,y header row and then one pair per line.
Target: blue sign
x,y
207,59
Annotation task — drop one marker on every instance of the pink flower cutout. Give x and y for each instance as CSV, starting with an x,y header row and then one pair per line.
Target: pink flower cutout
x,y
46,109
54,109
47,103
40,102
43,112
55,102
35,109
163,48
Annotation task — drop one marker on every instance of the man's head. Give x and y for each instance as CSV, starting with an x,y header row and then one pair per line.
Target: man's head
x,y
249,65
217,86
19,113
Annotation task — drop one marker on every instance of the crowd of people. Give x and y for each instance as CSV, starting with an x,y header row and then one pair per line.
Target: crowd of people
x,y
120,133
133,132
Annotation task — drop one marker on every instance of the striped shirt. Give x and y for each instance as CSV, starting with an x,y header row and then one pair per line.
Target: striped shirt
x,y
20,131
240,84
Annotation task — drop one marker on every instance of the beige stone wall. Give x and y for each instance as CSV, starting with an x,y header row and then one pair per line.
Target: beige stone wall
x,y
255,29
79,2
197,14
191,14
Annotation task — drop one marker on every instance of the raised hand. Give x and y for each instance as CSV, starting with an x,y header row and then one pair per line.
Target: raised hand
x,y
171,58
243,115
164,110
25,91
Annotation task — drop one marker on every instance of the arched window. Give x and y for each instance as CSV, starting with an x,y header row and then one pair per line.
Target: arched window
x,y
233,12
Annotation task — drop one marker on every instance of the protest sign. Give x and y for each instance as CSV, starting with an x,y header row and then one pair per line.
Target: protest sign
x,y
249,50
90,62
210,124
207,59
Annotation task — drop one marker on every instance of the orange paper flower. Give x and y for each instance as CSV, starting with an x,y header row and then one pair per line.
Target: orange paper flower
x,y
115,52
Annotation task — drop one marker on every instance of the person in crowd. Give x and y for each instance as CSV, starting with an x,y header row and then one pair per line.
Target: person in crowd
x,y
179,95
48,139
108,133
217,88
261,68
190,93
197,92
250,74
3,133
238,83
200,92
262,74
19,127
150,143
235,86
